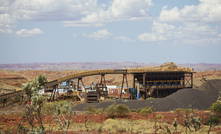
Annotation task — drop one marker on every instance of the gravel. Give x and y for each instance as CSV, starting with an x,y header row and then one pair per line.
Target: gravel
x,y
211,87
201,99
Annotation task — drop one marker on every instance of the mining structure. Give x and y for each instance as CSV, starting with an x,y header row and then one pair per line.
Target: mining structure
x,y
156,82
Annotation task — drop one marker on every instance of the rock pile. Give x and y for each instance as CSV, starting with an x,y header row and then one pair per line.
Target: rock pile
x,y
201,99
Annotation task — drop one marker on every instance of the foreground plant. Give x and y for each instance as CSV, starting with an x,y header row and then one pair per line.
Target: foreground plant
x,y
175,124
195,122
31,90
62,110
117,110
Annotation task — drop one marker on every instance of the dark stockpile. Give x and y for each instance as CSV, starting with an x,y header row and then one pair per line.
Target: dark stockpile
x,y
211,87
160,104
191,97
201,98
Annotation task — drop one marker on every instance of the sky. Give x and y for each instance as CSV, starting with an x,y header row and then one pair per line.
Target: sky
x,y
142,31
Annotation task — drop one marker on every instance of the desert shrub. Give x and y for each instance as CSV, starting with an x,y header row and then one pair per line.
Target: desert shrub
x,y
195,122
146,111
175,124
122,110
213,120
150,98
16,99
48,108
179,110
90,109
216,108
133,110
99,111
159,116
110,110
119,110
212,106
139,110
188,110
8,104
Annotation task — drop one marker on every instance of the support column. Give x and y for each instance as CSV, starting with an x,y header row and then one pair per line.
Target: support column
x,y
124,75
122,87
4,102
54,92
103,79
157,93
191,80
144,85
133,81
126,81
85,94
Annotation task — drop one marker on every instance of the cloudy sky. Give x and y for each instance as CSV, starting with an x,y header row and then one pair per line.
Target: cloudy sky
x,y
182,31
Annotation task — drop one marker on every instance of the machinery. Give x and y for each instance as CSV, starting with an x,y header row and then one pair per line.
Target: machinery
x,y
97,92
203,78
154,81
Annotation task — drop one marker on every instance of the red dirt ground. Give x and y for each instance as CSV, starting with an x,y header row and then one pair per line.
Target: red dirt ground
x,y
12,121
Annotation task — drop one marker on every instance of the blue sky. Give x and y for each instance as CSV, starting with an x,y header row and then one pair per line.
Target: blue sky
x,y
184,31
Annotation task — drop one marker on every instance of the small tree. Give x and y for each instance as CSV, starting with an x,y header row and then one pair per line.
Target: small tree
x,y
195,121
175,124
37,100
186,123
61,110
212,121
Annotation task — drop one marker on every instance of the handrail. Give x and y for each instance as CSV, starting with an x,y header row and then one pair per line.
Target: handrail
x,y
12,94
119,71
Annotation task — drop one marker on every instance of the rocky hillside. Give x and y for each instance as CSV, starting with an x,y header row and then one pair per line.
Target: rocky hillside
x,y
97,65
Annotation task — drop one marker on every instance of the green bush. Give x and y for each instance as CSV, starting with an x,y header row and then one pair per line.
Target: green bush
x,y
48,108
17,99
159,116
213,120
150,98
146,111
216,108
117,110
90,109
8,104
139,110
188,110
99,111
133,110
111,110
122,110
179,110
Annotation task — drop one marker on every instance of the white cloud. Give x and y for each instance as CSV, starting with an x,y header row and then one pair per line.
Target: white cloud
x,y
74,35
206,11
28,33
117,11
98,35
85,13
7,24
190,33
150,37
124,39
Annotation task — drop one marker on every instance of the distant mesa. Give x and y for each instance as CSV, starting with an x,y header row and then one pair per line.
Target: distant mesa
x,y
97,65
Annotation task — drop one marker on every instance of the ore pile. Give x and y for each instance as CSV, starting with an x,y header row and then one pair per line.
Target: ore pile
x,y
201,99
211,87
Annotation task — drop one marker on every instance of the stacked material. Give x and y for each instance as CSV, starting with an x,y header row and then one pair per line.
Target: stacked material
x,y
211,87
201,99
